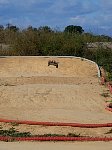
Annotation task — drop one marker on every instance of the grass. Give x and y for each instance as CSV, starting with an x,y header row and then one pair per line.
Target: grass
x,y
109,101
105,95
60,135
14,124
14,133
109,132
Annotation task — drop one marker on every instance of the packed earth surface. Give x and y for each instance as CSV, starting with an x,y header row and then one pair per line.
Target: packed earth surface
x,y
71,93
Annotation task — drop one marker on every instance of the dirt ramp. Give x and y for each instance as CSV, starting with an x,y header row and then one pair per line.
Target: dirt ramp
x,y
38,66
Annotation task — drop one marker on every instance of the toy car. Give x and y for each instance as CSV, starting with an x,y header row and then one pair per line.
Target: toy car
x,y
53,62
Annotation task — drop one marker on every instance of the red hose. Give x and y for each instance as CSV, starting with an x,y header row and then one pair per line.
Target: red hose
x,y
56,138
5,138
57,123
103,80
109,109
110,87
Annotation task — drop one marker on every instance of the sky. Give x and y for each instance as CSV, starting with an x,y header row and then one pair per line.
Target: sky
x,y
93,16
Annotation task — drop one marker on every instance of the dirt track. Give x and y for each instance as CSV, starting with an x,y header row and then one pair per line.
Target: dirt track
x,y
55,146
37,66
32,90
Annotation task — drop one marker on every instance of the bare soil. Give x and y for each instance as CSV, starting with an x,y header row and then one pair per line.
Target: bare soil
x,y
32,90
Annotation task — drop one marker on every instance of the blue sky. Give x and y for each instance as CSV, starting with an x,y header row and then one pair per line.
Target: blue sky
x,y
93,15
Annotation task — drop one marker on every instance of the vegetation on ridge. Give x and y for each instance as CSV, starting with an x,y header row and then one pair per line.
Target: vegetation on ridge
x,y
44,41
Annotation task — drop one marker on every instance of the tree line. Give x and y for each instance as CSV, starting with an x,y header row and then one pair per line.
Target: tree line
x,y
45,41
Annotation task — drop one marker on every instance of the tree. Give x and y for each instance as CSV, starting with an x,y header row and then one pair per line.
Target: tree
x,y
74,29
30,28
1,34
11,27
1,27
45,29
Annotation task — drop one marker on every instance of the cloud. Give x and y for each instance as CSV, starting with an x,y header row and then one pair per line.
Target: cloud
x,y
106,5
72,7
87,13
3,2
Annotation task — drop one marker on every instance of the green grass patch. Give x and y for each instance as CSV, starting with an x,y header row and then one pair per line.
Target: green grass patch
x,y
14,133
109,132
105,95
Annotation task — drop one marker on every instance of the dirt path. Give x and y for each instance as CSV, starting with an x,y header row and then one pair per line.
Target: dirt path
x,y
36,66
80,102
70,93
55,145
30,90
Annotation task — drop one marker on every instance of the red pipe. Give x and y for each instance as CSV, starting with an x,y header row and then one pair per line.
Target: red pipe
x,y
55,138
109,109
103,80
110,87
57,123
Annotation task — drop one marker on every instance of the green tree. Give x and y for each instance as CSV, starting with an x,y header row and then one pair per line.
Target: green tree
x,y
30,28
1,27
74,29
12,27
45,29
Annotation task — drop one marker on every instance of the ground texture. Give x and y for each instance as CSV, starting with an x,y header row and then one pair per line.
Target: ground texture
x,y
32,90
